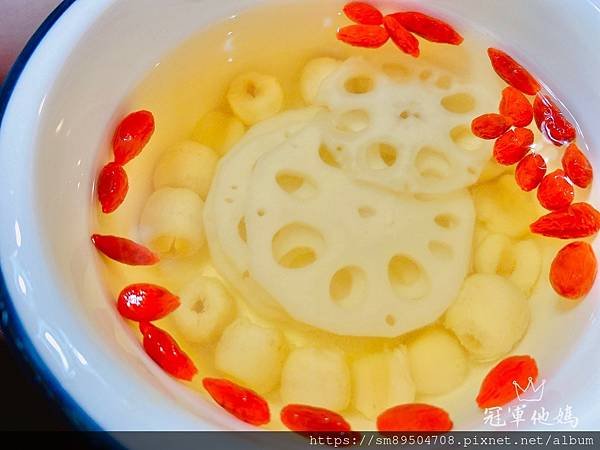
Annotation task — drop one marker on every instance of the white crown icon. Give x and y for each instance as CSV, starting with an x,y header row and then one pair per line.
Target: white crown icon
x,y
530,393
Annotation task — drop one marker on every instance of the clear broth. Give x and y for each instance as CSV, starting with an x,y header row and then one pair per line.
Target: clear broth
x,y
193,80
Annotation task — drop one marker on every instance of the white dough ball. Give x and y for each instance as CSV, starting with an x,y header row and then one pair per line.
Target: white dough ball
x,y
479,234
380,381
527,265
491,254
438,363
187,165
313,75
219,131
316,377
251,354
254,97
493,170
519,262
504,208
206,308
489,316
172,222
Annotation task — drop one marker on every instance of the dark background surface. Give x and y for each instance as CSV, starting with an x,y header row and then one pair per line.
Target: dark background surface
x,y
24,404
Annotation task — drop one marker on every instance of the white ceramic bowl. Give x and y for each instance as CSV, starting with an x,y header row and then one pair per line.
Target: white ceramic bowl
x,y
55,108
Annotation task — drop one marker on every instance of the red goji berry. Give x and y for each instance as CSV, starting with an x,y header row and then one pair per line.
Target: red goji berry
x,y
552,122
301,418
403,38
132,135
512,146
240,402
145,302
165,352
579,220
524,136
414,417
363,13
498,387
429,28
124,250
516,106
530,171
574,270
512,72
555,191
490,126
577,167
112,187
367,36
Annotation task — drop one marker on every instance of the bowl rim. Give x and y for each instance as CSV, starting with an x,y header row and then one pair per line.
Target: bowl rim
x,y
16,336
32,335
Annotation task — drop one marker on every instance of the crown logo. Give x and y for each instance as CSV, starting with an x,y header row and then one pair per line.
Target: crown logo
x,y
530,393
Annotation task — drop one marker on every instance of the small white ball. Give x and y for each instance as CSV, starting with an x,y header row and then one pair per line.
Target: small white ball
x,y
172,222
489,317
206,308
254,97
187,165
438,363
313,75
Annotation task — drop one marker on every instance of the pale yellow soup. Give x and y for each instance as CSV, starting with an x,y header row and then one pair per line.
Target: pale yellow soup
x,y
359,370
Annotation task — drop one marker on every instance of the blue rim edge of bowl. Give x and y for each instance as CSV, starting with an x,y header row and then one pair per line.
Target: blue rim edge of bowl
x,y
11,324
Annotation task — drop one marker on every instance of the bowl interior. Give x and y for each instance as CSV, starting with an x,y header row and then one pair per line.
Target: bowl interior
x,y
52,139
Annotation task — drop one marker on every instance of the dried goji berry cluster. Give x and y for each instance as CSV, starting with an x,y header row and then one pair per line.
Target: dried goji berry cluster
x,y
143,303
372,29
556,190
131,136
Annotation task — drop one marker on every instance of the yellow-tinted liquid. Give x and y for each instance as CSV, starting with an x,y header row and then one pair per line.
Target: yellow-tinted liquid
x,y
193,81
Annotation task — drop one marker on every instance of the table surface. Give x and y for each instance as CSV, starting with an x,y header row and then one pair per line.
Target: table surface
x,y
25,406
18,20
